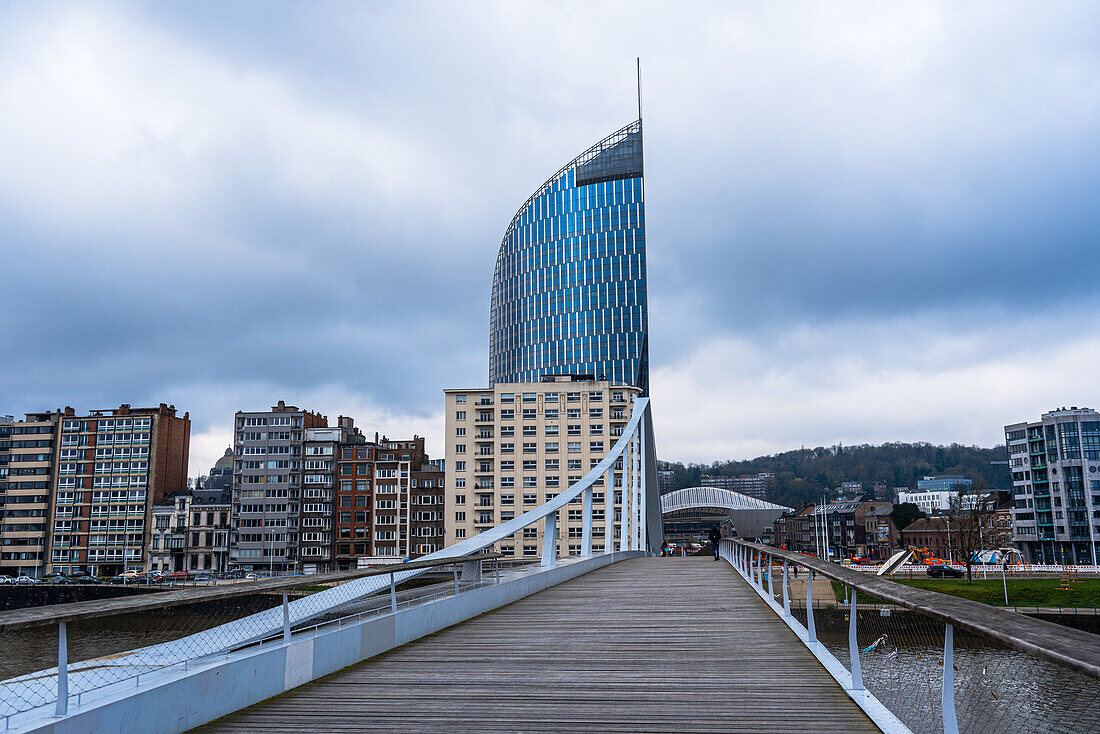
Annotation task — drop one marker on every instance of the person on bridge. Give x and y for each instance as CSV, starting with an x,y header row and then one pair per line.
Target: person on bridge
x,y
715,536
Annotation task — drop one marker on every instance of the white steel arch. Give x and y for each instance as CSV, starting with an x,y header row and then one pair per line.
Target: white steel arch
x,y
697,498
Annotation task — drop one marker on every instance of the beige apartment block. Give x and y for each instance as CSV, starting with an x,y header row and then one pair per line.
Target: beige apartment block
x,y
514,446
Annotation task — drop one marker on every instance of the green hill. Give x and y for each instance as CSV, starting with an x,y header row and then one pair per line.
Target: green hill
x,y
802,475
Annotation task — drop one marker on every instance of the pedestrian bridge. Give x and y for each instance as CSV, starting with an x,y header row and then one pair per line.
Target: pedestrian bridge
x,y
762,640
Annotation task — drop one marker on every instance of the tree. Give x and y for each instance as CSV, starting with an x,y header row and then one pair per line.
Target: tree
x,y
905,515
967,515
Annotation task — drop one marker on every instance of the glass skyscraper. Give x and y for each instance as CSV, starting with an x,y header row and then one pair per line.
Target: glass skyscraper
x,y
569,291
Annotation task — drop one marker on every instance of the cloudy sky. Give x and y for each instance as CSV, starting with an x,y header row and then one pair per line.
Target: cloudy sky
x,y
866,221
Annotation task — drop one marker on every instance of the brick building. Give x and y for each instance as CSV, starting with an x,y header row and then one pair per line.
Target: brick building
x,y
112,467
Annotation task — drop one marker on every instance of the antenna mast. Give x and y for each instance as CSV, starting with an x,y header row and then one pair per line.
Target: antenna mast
x,y
639,87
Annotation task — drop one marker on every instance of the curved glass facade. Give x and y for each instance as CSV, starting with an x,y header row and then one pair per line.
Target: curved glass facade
x,y
569,291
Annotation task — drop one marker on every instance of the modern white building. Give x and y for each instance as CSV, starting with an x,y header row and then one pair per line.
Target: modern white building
x,y
1055,465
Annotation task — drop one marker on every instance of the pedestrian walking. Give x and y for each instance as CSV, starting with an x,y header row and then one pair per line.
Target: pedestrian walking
x,y
715,536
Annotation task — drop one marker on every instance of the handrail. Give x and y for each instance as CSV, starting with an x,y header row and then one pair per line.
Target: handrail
x,y
1065,646
73,611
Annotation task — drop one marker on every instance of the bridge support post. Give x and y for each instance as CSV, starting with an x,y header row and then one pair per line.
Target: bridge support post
x,y
550,541
586,526
62,707
609,511
786,596
853,646
759,565
393,594
771,592
950,722
634,492
810,607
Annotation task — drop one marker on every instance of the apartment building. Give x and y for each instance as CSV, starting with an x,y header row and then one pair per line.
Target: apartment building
x,y
426,527
512,447
112,467
752,485
1055,465
267,487
27,477
355,500
323,472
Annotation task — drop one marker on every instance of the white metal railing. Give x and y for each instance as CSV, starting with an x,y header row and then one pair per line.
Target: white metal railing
x,y
919,661
640,529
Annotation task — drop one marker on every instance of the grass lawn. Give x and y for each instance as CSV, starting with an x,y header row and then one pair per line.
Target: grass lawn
x,y
1021,592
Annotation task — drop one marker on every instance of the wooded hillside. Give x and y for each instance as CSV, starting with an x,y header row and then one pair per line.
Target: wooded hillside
x,y
802,475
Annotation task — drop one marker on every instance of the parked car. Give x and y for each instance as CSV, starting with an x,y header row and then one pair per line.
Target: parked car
x,y
6,580
251,577
942,571
26,581
205,577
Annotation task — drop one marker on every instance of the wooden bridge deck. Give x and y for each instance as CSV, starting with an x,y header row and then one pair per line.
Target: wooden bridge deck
x,y
645,645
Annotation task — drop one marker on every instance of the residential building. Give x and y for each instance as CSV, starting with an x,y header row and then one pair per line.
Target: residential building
x,y
666,481
208,528
794,531
753,485
355,495
929,534
1055,465
882,491
267,487
113,466
569,288
168,539
426,529
28,472
320,455
880,535
512,447
996,520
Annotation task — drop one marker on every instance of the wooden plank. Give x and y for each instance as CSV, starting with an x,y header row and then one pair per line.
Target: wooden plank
x,y
645,645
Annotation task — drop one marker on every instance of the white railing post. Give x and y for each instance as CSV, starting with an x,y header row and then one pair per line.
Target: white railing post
x,y
393,594
771,591
634,490
759,578
62,707
643,525
550,541
810,607
609,511
950,722
286,618
624,502
786,596
853,646
586,524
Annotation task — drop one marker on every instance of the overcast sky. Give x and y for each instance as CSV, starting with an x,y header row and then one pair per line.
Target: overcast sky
x,y
866,222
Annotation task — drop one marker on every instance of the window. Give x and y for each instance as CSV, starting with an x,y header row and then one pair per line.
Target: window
x,y
460,398
460,448
551,447
551,414
460,432
460,517
530,430
552,430
530,448
574,447
529,397
460,499
460,483
507,414
507,397
530,499
460,532
507,499
550,397
529,414
595,395
572,397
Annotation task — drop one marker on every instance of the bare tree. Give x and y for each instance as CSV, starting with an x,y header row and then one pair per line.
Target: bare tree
x,y
967,517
